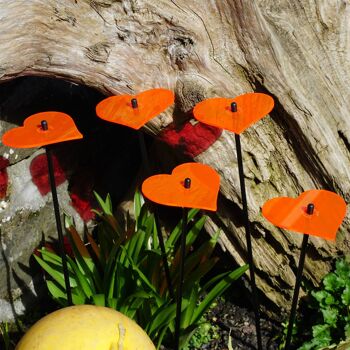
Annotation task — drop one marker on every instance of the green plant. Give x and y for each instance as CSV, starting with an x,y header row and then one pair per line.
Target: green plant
x,y
204,334
123,269
333,303
4,331
282,338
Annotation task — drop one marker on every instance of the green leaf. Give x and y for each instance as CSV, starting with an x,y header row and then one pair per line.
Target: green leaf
x,y
165,316
78,298
215,279
201,271
217,291
194,231
324,298
343,269
332,282
175,234
345,297
112,303
80,278
322,334
50,257
138,202
106,205
330,316
52,271
85,264
99,299
347,328
230,347
186,317
55,290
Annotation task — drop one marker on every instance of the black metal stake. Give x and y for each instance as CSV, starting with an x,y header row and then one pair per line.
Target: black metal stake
x,y
310,210
146,164
44,126
187,184
248,235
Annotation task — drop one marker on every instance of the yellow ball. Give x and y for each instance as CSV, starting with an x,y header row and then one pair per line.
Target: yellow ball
x,y
85,327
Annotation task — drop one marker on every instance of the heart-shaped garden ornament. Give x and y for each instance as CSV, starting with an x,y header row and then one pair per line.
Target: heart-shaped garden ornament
x,y
135,111
234,114
200,191
60,128
329,210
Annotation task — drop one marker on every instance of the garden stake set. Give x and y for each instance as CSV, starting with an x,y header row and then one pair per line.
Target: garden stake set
x,y
191,185
315,212
45,129
236,115
135,112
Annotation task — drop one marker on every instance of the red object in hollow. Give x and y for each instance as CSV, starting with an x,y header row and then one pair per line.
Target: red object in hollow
x,y
39,170
4,163
191,139
82,206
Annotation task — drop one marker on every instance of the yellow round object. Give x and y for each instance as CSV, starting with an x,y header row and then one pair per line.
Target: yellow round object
x,y
85,327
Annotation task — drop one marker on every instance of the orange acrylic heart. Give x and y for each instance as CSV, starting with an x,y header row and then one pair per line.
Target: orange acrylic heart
x,y
250,108
170,189
121,110
61,128
291,213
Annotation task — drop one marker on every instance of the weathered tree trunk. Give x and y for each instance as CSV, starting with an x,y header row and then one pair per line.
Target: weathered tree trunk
x,y
296,51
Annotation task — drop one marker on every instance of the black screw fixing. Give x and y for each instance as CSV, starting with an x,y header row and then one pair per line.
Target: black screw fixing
x,y
187,182
310,209
44,125
134,103
233,107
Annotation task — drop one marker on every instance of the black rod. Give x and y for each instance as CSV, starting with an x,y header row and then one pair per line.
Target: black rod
x,y
181,277
249,241
58,222
309,211
146,164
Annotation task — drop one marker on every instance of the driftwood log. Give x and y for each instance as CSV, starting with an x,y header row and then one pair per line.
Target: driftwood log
x,y
296,51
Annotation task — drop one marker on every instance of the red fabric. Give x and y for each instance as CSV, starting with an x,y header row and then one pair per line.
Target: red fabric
x,y
82,206
4,163
192,140
40,176
81,194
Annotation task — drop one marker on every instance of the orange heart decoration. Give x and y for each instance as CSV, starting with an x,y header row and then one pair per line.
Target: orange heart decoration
x,y
250,108
125,111
291,214
61,128
170,189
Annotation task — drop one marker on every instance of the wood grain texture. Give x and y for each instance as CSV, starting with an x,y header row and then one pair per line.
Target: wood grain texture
x,y
296,51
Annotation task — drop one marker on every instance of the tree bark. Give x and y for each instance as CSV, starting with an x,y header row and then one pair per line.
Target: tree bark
x,y
296,51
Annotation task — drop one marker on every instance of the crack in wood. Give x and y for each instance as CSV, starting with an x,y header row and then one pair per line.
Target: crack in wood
x,y
65,16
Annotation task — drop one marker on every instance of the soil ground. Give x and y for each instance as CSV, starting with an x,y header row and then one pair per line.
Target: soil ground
x,y
239,322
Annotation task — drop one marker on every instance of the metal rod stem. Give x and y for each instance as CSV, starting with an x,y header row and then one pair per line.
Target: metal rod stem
x,y
181,277
296,291
146,164
249,241
58,223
